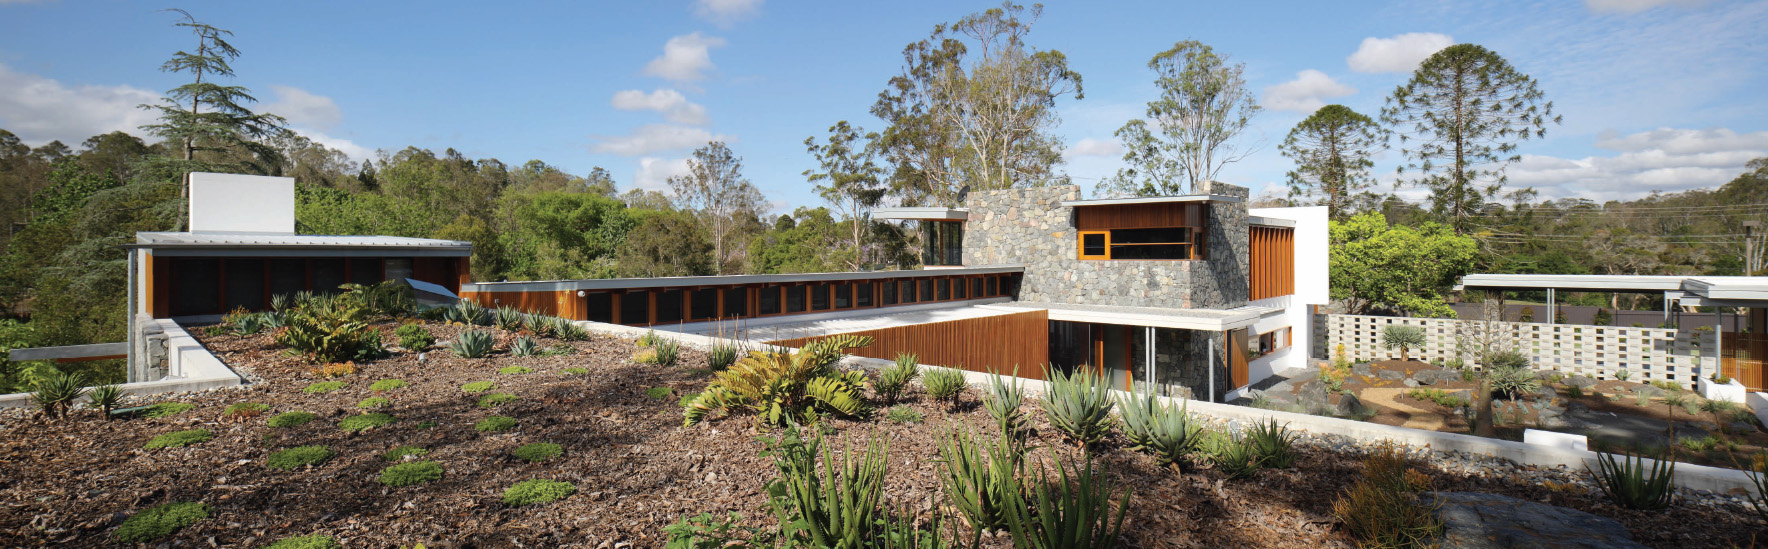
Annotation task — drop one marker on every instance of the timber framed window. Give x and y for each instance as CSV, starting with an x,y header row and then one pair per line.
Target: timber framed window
x,y
1158,243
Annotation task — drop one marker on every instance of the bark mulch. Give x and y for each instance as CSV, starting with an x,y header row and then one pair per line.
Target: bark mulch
x,y
636,469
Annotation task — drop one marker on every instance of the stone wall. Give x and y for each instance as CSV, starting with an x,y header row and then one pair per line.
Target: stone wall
x,y
1030,227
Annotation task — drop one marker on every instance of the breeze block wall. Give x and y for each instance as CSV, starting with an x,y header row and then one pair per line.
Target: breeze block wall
x,y
1647,354
1030,227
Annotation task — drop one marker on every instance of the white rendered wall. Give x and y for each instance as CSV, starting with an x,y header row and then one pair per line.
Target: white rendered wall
x,y
1311,288
222,202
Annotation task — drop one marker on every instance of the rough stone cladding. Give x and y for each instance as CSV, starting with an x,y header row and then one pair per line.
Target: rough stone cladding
x,y
1030,227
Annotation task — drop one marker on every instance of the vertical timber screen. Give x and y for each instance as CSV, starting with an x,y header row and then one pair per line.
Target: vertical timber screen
x,y
993,343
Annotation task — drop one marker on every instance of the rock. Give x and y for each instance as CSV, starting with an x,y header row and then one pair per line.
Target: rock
x,y
1577,407
1394,375
1548,392
1349,405
1473,520
1581,382
1409,382
1552,419
1305,375
1743,427
1362,369
1312,393
1465,394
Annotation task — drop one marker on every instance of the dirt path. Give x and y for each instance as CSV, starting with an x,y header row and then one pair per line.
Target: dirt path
x,y
1417,418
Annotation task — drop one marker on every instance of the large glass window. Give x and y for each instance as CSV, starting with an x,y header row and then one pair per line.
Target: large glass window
x,y
365,270
944,243
843,296
399,268
889,292
195,289
1159,243
669,306
600,307
704,304
945,289
736,302
926,289
287,276
767,300
245,284
635,307
862,295
795,300
328,274
909,292
819,297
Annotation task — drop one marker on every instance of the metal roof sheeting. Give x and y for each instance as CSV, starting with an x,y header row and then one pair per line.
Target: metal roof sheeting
x,y
260,240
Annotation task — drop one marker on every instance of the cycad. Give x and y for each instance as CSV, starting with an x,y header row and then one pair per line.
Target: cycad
x,y
780,386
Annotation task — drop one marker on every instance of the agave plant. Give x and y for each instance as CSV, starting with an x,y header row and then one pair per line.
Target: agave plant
x,y
566,329
105,398
782,386
945,384
508,318
1078,404
1273,444
56,393
524,346
472,344
465,311
1169,432
722,355
1630,484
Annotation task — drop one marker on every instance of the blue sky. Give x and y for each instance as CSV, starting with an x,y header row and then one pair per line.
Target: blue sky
x,y
1656,94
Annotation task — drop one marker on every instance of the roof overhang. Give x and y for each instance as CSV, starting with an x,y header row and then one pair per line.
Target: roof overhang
x,y
922,214
1269,221
1210,320
1153,200
724,280
1721,291
248,244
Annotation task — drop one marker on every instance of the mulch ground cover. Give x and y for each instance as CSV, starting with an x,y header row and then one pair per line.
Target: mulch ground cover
x,y
635,469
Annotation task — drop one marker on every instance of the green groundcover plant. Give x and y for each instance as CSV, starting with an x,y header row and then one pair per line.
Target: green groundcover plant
x,y
537,491
160,521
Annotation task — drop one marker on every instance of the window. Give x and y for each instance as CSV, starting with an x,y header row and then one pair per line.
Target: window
x,y
703,304
994,285
669,306
945,289
328,274
862,295
926,289
600,307
287,276
795,298
843,296
195,286
767,300
1158,243
399,268
1274,340
635,307
889,297
959,289
819,297
736,302
245,284
945,243
909,295
365,270
978,287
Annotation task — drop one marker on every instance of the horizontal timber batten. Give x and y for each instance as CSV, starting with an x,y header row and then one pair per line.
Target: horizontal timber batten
x,y
1001,343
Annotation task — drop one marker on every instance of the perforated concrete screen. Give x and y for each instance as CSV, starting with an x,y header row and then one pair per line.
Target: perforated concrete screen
x,y
241,203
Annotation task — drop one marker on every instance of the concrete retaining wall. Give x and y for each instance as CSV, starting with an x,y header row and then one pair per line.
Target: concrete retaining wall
x,y
189,367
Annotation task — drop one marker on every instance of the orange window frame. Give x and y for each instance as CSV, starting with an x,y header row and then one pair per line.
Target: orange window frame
x,y
1081,251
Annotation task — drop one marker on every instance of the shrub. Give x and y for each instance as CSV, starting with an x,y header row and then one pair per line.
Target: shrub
x,y
245,410
661,352
537,452
1079,405
1273,444
1628,482
722,355
160,521
399,453
494,400
1603,317
577,371
650,338
324,387
904,414
515,370
524,346
1169,432
896,378
1514,382
708,531
364,422
1402,337
335,369
472,344
385,385
944,384
55,394
1002,403
1384,508
105,398
1622,375
495,424
658,393
537,491
314,541
299,456
781,385
414,337
477,387
1438,396
372,403
407,474
179,439
292,419
1574,391
829,511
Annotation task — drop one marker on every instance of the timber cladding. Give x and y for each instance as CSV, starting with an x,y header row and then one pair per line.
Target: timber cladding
x,y
994,343
1140,216
1272,261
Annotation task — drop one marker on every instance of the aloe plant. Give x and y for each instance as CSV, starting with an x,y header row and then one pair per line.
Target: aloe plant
x,y
1273,444
508,318
105,398
973,473
1002,402
1078,404
55,394
820,508
1067,510
472,343
944,384
1169,432
896,378
1628,482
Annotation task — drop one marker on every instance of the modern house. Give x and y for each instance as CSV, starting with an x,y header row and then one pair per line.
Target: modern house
x,y
1187,295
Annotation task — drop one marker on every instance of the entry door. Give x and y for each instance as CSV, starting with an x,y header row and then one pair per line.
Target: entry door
x,y
1237,363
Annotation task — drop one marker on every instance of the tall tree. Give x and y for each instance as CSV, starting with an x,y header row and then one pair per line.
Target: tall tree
x,y
716,190
206,116
1332,150
1465,110
1204,106
850,180
1396,268
974,108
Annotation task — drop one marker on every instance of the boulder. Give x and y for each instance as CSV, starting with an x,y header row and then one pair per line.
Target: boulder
x,y
1394,375
1409,382
1432,377
1490,521
1581,382
1350,405
1650,391
1361,369
1577,408
1311,393
1548,392
1743,427
1305,375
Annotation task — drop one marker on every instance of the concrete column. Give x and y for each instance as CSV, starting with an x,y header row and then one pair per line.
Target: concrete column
x,y
1551,314
1666,307
131,360
1718,342
1212,368
1149,348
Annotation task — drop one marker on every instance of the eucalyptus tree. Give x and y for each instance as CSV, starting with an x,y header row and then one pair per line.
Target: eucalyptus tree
x,y
1191,129
1332,150
1463,112
974,107
850,179
715,189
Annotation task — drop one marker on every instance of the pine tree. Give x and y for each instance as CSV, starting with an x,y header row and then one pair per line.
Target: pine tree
x,y
1332,150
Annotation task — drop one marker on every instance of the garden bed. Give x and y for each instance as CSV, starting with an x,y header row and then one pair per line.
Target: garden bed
x,y
634,468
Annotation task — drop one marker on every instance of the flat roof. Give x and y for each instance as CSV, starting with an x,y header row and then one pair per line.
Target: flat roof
x,y
1269,221
1214,320
162,242
722,280
922,213
1153,200
1719,289
883,319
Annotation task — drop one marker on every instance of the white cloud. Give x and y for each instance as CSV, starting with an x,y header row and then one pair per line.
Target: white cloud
x,y
1635,6
304,108
1401,53
357,153
671,103
1093,147
685,57
40,110
1665,159
726,12
1307,93
654,173
653,138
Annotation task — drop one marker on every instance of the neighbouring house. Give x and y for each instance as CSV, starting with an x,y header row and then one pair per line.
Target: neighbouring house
x,y
1185,295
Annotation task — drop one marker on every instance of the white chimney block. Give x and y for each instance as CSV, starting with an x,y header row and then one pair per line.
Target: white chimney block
x,y
221,202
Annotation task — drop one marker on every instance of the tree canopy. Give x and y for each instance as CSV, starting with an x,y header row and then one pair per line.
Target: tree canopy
x,y
1377,267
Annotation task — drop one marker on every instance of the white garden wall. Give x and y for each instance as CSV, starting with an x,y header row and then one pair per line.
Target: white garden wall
x,y
1649,354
